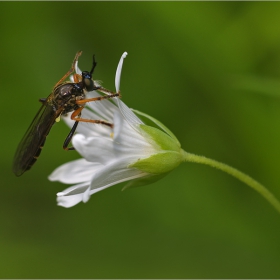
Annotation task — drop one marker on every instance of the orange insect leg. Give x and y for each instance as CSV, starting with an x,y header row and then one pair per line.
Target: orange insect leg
x,y
83,101
75,116
71,69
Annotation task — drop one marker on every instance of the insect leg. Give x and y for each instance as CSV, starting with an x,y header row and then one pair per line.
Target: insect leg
x,y
110,95
43,100
69,137
76,117
71,69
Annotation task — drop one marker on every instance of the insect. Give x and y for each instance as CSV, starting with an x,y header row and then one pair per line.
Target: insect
x,y
66,97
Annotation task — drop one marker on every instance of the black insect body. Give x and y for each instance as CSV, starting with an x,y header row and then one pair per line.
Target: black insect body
x,y
66,97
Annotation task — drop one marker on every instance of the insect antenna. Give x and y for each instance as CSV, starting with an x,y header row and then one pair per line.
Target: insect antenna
x,y
93,64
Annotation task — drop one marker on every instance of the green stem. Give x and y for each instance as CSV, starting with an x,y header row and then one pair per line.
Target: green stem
x,y
237,174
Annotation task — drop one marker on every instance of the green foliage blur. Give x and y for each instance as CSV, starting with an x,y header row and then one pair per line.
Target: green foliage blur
x,y
210,71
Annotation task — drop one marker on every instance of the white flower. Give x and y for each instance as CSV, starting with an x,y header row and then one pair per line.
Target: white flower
x,y
131,151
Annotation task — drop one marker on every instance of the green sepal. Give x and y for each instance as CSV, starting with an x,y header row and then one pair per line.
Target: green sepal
x,y
149,179
163,140
159,124
159,163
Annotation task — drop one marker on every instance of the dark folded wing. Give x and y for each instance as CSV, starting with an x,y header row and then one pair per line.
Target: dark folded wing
x,y
33,140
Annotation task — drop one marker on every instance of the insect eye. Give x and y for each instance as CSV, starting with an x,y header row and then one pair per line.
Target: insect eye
x,y
88,84
87,81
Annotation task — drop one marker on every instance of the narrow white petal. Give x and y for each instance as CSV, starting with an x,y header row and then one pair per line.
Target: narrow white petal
x,y
83,128
67,119
115,172
77,69
76,189
104,108
72,196
108,176
100,110
94,149
89,129
125,176
93,129
119,71
69,201
128,140
128,114
86,195
73,172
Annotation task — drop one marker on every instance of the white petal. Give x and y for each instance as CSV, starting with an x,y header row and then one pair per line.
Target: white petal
x,y
67,120
77,69
76,189
94,149
115,173
125,142
129,141
128,114
101,111
69,201
93,129
73,172
89,129
72,196
86,195
119,71
104,108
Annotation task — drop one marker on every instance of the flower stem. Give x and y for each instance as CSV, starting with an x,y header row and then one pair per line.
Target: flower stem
x,y
237,174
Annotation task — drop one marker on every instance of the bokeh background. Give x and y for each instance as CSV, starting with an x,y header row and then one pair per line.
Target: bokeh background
x,y
210,71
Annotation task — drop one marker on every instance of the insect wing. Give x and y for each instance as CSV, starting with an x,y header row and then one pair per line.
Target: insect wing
x,y
33,140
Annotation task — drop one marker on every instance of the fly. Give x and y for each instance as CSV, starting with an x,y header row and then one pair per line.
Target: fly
x,y
66,97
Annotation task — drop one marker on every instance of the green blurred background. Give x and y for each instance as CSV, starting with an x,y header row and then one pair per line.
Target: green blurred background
x,y
211,73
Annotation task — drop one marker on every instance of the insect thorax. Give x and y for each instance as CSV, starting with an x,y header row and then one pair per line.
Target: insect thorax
x,y
66,95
